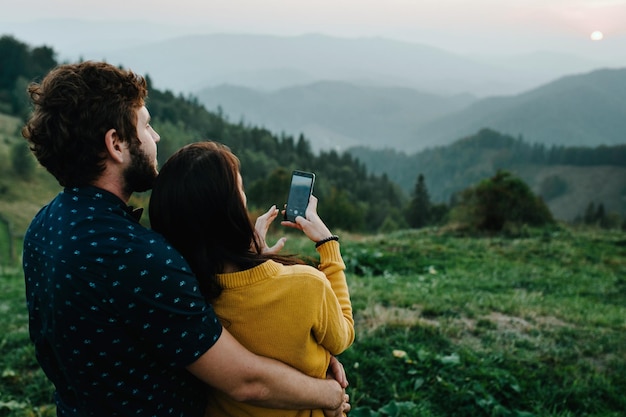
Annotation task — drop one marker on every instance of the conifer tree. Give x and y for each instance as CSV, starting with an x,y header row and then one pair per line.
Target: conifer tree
x,y
590,214
600,217
418,212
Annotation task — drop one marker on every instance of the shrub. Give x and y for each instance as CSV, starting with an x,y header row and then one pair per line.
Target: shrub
x,y
498,201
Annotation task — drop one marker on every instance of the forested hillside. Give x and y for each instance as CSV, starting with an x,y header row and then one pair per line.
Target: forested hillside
x,y
567,178
350,198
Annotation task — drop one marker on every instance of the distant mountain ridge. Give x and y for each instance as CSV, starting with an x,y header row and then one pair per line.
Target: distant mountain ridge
x,y
186,63
578,110
262,61
333,114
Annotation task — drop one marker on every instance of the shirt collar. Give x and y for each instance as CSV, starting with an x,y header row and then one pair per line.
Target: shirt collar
x,y
97,193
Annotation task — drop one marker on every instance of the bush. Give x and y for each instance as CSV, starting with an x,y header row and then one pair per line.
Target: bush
x,y
22,160
498,201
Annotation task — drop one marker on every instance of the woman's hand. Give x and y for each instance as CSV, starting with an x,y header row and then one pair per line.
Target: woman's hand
x,y
337,372
312,226
262,225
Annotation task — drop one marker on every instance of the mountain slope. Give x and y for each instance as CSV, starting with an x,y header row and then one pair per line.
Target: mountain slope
x,y
335,114
579,110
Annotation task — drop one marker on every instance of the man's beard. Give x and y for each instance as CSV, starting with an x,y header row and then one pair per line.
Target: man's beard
x,y
141,173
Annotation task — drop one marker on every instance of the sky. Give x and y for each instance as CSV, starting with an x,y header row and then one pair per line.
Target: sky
x,y
460,26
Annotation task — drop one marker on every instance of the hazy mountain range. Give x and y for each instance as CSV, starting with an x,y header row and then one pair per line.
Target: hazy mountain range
x,y
182,62
577,110
188,63
343,92
334,114
270,62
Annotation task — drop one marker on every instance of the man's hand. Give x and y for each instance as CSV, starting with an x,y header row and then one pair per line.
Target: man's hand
x,y
342,410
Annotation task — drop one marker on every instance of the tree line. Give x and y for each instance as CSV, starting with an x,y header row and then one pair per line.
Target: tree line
x,y
19,64
453,167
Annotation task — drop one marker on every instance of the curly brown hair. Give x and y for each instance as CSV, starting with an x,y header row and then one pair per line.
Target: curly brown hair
x,y
74,106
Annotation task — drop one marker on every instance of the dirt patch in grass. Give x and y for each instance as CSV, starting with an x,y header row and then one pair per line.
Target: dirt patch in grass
x,y
478,334
509,323
377,316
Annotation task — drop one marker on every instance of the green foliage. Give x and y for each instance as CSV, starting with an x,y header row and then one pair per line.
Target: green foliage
x,y
394,221
488,327
6,248
446,326
598,217
173,136
423,368
24,389
449,169
22,160
19,63
341,211
271,190
500,200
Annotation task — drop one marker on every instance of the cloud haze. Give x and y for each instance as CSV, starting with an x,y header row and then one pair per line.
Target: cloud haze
x,y
480,26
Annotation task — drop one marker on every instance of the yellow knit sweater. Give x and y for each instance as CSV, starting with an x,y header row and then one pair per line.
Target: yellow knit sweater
x,y
296,314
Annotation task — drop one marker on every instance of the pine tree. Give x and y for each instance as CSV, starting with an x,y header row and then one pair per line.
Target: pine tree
x,y
600,216
418,212
590,214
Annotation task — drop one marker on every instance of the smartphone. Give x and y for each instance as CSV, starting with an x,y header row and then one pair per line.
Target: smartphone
x,y
299,193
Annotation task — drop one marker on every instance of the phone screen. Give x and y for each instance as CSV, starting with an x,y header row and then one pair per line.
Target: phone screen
x,y
299,193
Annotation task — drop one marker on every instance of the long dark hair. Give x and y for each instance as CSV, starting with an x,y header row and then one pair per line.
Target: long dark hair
x,y
196,205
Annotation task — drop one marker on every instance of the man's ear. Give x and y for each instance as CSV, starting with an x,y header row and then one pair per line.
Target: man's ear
x,y
114,146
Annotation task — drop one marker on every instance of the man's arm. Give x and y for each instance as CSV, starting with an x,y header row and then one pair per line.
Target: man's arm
x,y
246,377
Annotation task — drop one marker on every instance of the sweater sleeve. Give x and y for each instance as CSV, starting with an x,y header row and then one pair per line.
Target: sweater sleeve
x,y
337,308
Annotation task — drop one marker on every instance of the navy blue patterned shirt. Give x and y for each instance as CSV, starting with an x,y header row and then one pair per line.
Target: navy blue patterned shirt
x,y
115,313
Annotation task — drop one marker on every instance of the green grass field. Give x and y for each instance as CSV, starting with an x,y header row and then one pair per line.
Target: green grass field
x,y
446,326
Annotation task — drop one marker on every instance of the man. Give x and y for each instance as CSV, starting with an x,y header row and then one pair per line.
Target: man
x,y
116,316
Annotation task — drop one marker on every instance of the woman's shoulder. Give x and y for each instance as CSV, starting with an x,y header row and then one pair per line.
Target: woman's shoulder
x,y
302,271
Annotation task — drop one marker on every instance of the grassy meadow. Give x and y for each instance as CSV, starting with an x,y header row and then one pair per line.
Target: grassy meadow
x,y
446,326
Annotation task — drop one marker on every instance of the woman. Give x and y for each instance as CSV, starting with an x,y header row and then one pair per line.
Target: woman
x,y
274,305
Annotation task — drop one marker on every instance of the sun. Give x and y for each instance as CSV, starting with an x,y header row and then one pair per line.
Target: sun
x,y
596,35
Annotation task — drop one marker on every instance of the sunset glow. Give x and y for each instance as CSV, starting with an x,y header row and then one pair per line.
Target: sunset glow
x,y
596,35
